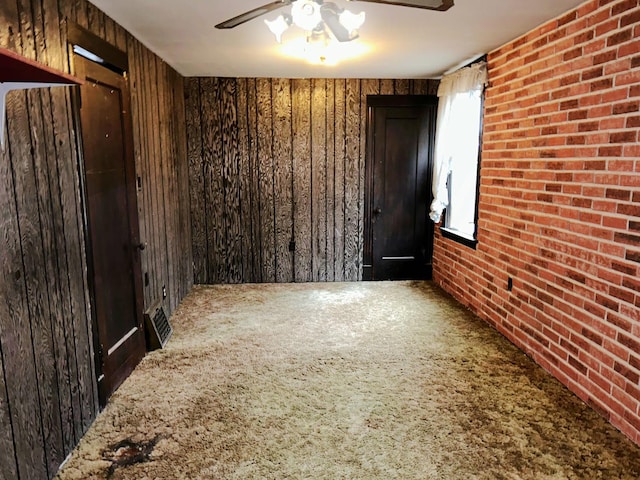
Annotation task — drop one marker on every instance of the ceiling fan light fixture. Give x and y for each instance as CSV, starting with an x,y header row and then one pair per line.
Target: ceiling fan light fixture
x,y
306,14
279,26
352,21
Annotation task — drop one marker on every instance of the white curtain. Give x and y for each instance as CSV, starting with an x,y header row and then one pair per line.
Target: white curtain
x,y
448,136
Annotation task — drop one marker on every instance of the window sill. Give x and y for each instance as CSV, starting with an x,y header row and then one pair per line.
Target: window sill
x,y
459,237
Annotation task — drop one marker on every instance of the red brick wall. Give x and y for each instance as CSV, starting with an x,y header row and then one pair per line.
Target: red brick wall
x,y
559,205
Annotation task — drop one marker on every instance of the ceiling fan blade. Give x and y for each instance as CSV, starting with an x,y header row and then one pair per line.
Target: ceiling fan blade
x,y
251,14
440,5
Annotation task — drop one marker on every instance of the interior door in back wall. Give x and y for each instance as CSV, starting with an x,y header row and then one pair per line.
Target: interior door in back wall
x,y
398,232
112,224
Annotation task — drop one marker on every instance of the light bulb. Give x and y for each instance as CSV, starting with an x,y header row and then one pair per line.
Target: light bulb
x,y
351,21
306,14
278,27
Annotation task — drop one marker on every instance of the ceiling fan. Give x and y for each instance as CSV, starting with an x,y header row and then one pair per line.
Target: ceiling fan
x,y
314,14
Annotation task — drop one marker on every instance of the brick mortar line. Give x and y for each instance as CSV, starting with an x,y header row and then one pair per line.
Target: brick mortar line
x,y
554,320
489,100
510,47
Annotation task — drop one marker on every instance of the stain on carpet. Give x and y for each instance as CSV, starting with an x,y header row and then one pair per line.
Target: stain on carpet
x,y
345,381
127,452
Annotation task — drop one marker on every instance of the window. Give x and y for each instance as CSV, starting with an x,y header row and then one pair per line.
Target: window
x,y
456,167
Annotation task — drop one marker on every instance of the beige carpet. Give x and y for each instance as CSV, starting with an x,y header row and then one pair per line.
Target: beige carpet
x,y
343,381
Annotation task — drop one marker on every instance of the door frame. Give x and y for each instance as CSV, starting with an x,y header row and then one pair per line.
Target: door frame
x,y
111,58
397,101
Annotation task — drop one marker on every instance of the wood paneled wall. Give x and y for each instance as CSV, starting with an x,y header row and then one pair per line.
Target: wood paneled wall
x,y
48,394
158,113
278,163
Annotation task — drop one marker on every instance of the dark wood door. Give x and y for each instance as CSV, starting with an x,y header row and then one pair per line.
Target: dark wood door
x,y
112,224
398,233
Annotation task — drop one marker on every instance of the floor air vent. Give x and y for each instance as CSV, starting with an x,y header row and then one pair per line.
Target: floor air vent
x,y
158,328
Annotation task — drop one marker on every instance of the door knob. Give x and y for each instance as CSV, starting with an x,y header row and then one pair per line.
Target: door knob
x,y
141,246
377,211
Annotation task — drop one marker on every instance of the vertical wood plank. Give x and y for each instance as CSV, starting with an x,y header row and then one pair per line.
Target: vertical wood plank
x,y
231,182
319,179
161,255
68,10
207,104
61,172
158,166
266,185
182,243
339,179
95,19
330,103
66,322
196,176
42,287
419,86
82,17
283,196
36,226
136,121
146,85
121,38
148,82
301,126
172,196
433,87
168,197
245,172
387,87
171,193
150,78
109,30
60,432
15,345
352,176
185,225
21,237
168,279
9,34
7,450
139,115
402,87
254,163
213,175
254,185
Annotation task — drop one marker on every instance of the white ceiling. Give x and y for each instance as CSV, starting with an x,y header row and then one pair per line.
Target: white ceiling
x,y
403,42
